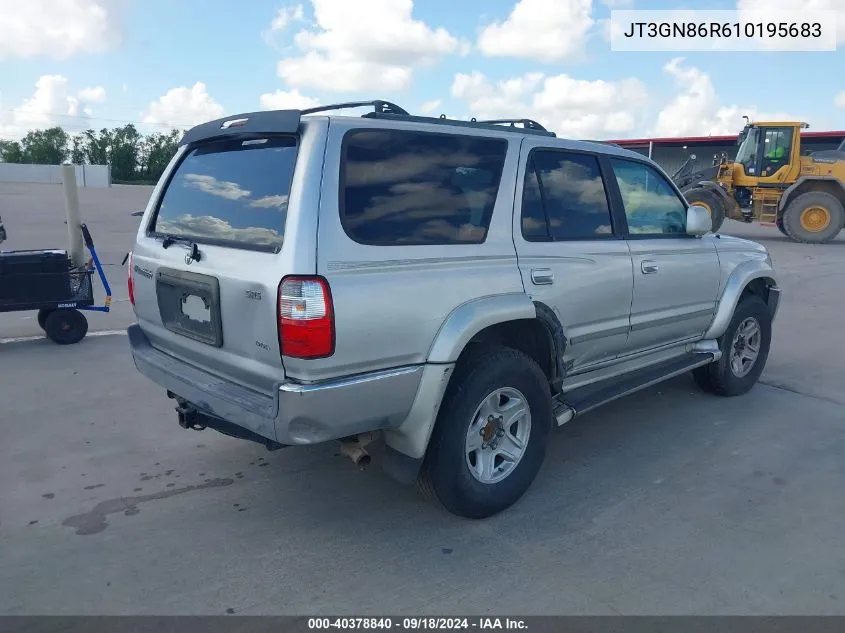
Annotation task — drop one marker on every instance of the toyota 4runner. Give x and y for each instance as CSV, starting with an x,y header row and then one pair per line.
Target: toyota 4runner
x,y
455,288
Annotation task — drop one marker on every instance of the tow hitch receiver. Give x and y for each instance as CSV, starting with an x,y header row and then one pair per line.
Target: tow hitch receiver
x,y
189,418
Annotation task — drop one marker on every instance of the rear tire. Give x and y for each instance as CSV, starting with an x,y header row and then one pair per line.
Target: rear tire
x,y
465,467
43,313
710,200
66,327
814,218
750,329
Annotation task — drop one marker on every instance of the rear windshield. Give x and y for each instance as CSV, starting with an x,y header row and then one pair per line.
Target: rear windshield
x,y
231,193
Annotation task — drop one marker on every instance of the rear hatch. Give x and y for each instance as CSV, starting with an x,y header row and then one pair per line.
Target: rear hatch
x,y
206,269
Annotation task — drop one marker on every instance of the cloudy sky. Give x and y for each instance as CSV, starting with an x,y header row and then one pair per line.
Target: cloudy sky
x,y
157,63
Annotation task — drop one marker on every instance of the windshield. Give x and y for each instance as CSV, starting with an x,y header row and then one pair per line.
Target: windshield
x,y
746,155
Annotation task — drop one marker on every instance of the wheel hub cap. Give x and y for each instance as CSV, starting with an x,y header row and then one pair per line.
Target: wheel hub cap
x,y
815,219
497,435
745,347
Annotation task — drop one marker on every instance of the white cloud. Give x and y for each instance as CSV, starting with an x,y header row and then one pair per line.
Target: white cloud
x,y
206,225
567,106
430,106
213,186
291,100
96,94
770,6
697,109
285,16
57,29
373,45
51,104
840,100
183,107
545,30
618,4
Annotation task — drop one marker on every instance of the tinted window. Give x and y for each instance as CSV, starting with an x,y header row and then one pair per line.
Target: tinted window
x,y
535,226
564,198
419,188
233,192
651,205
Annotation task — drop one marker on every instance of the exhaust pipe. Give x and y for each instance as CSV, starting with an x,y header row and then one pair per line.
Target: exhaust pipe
x,y
353,448
356,453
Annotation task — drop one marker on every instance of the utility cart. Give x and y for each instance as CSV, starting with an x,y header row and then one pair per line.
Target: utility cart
x,y
47,281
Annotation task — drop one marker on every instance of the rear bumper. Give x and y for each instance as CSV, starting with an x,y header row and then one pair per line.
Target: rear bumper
x,y
295,414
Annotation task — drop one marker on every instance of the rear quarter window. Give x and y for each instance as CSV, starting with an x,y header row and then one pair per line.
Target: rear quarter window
x,y
230,193
405,188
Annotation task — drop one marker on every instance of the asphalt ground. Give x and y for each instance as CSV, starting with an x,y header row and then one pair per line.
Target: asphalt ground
x,y
666,502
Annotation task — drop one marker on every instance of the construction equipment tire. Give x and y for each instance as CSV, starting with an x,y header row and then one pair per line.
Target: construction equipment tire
x,y
815,217
710,201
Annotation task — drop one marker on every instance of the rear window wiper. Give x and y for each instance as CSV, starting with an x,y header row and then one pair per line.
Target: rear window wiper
x,y
170,240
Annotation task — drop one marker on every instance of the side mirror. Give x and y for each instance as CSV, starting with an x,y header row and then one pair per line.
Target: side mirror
x,y
699,221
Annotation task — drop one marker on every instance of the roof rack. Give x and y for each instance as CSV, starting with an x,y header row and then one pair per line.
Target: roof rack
x,y
379,107
251,124
528,124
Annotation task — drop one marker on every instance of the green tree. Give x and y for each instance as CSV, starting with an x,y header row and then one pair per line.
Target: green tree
x,y
124,152
77,152
46,147
97,146
133,157
159,149
11,152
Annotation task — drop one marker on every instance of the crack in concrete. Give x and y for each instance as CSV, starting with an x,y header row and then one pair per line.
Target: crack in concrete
x,y
783,387
94,521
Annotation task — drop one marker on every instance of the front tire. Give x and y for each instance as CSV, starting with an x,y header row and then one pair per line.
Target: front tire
x,y
745,350
490,437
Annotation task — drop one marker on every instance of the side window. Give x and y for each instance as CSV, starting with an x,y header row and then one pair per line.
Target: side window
x,y
777,145
404,188
564,198
651,205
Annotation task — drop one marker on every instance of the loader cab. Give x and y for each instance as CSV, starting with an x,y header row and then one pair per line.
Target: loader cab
x,y
765,149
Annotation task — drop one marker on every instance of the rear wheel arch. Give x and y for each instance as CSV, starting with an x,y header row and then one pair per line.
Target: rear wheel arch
x,y
540,338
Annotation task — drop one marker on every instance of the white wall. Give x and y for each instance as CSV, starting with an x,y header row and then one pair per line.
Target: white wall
x,y
86,175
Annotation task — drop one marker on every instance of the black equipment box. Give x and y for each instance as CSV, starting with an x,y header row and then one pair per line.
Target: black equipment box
x,y
35,277
33,262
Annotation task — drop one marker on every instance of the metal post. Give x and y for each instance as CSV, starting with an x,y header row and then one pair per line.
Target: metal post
x,y
650,148
76,247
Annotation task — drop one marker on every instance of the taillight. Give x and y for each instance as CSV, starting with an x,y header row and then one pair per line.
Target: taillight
x,y
130,280
306,318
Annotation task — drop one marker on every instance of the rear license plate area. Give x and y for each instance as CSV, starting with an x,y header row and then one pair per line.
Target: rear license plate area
x,y
189,305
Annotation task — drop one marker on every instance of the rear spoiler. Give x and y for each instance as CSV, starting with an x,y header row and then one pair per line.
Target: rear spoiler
x,y
247,124
275,121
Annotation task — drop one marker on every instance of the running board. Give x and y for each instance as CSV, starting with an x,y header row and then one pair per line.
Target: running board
x,y
592,396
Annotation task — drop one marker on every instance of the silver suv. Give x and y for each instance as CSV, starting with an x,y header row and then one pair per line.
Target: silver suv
x,y
455,288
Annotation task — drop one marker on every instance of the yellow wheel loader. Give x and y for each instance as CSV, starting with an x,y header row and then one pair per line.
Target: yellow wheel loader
x,y
770,181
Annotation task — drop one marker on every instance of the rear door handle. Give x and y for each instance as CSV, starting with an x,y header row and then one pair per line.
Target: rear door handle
x,y
648,267
542,276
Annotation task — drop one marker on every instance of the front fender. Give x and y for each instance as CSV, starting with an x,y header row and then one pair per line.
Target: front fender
x,y
741,276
